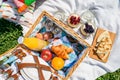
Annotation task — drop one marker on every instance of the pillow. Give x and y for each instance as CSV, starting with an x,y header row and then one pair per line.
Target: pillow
x,y
8,10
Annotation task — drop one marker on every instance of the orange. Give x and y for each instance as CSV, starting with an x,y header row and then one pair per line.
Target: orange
x,y
57,63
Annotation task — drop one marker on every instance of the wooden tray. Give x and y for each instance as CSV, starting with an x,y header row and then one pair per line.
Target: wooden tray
x,y
91,52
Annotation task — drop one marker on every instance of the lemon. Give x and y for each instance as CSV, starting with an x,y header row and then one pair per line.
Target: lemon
x,y
34,43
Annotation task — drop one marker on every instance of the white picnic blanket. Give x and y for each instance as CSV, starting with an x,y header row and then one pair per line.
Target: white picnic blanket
x,y
107,13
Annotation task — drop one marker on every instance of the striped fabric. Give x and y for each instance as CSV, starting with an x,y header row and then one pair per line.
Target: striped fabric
x,y
8,10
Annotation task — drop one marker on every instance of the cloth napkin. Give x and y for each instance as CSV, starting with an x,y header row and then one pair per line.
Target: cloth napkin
x,y
8,10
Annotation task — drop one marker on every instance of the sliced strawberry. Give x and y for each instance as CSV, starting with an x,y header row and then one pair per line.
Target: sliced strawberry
x,y
74,20
71,22
75,23
78,20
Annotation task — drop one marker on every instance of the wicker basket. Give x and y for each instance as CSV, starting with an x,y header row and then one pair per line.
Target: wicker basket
x,y
69,30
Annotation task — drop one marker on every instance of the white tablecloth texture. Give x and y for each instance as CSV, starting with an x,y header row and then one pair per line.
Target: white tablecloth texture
x,y
107,14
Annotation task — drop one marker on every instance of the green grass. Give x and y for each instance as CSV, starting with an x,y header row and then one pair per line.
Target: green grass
x,y
9,33
111,76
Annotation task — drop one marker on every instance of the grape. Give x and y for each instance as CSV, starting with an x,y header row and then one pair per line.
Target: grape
x,y
88,28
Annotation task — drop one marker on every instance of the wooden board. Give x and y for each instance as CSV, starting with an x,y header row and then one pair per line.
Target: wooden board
x,y
94,55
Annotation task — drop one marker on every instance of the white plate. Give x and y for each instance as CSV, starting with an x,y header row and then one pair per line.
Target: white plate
x,y
32,73
24,75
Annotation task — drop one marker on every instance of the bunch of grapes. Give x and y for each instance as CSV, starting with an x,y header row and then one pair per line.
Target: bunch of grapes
x,y
88,28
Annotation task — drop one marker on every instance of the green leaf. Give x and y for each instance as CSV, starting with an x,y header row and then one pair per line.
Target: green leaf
x,y
110,76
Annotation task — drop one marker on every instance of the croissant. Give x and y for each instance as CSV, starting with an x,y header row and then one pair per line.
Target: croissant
x,y
61,51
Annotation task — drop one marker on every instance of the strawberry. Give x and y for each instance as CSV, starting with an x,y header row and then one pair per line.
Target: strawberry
x,y
74,20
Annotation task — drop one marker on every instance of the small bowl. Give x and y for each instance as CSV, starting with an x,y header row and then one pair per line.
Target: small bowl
x,y
82,31
73,25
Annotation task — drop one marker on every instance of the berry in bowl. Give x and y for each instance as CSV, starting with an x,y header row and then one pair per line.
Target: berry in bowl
x,y
74,20
87,29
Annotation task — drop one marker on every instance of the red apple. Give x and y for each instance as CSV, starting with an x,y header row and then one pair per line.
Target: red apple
x,y
46,55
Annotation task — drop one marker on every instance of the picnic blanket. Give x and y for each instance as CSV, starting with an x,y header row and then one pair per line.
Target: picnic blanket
x,y
107,14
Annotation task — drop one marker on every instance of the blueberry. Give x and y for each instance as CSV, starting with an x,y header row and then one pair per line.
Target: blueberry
x,y
88,28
